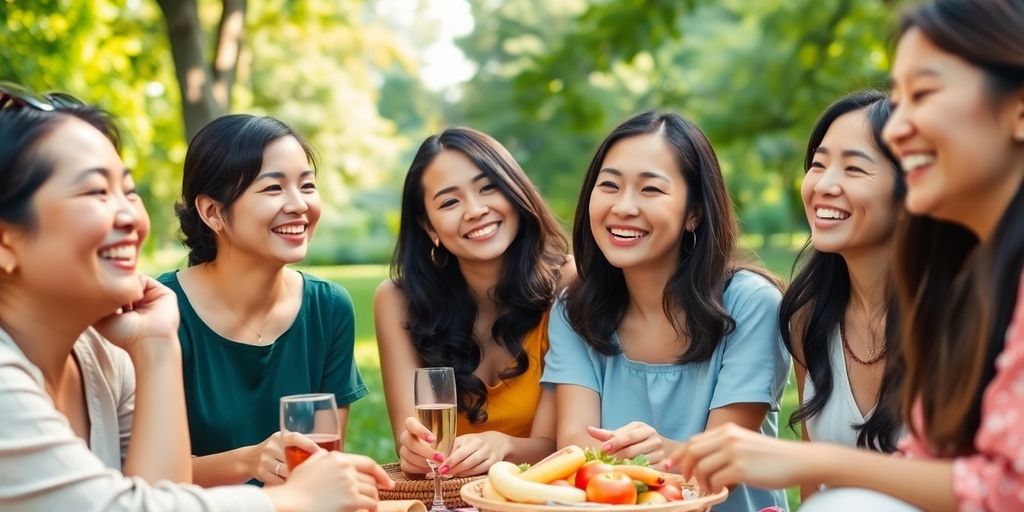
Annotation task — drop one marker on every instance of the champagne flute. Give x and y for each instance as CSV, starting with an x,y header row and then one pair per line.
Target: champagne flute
x,y
434,389
314,416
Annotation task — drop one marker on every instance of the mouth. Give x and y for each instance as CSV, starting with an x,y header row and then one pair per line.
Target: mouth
x,y
123,255
916,162
482,231
627,236
828,213
290,229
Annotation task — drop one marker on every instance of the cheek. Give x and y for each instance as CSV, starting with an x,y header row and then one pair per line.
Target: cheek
x,y
807,188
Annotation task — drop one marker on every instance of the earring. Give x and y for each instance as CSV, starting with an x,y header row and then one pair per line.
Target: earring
x,y
1019,136
693,236
9,268
439,262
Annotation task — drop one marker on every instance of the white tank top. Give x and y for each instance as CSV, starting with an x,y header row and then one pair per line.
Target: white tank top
x,y
834,423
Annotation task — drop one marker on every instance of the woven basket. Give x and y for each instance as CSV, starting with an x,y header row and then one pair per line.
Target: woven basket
x,y
417,487
697,501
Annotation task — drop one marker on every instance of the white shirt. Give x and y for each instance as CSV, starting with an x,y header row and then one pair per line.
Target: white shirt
x,y
834,423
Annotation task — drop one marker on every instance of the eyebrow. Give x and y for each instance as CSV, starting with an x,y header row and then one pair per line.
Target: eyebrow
x,y
447,190
643,174
846,153
281,175
917,73
102,171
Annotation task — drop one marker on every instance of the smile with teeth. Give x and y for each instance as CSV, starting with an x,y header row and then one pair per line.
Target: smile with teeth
x,y
916,160
125,252
293,229
482,231
830,213
627,233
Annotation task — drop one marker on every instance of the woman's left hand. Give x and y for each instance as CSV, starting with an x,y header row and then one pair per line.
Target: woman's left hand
x,y
636,438
731,454
474,454
153,319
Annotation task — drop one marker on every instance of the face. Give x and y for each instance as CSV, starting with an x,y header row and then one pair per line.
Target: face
x,y
953,138
90,223
848,190
276,215
638,207
466,212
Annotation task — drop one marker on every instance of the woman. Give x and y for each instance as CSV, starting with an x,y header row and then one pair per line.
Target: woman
x,y
662,335
840,308
90,367
253,330
478,262
958,130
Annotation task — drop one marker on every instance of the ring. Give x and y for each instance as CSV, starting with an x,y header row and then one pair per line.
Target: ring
x,y
277,470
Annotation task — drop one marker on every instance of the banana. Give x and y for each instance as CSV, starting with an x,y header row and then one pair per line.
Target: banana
x,y
558,465
504,476
489,492
645,474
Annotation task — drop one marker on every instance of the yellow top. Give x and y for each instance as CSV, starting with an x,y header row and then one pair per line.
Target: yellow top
x,y
511,404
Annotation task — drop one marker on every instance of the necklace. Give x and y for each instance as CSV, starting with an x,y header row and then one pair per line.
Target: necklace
x,y
872,359
263,327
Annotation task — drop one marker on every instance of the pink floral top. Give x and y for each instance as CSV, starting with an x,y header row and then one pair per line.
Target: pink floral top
x,y
993,478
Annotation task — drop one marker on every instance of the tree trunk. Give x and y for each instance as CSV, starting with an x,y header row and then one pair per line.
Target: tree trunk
x,y
197,81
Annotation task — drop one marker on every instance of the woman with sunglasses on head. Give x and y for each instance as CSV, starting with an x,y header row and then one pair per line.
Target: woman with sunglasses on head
x,y
958,130
252,329
90,368
663,334
478,263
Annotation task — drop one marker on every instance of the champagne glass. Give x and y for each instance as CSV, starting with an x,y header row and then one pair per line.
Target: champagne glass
x,y
314,416
436,408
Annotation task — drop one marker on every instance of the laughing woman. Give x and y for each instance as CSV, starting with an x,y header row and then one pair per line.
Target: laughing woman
x,y
958,130
479,260
253,330
662,335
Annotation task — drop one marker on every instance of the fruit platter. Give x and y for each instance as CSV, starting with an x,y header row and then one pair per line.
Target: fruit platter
x,y
573,479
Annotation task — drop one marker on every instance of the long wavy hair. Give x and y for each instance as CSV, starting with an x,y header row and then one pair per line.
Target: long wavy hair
x,y
817,298
957,294
441,310
595,303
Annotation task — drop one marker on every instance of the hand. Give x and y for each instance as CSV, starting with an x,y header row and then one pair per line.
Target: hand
x,y
636,438
267,463
415,448
331,481
473,454
731,454
151,319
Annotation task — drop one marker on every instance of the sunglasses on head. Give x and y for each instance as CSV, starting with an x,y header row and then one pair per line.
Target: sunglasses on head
x,y
13,95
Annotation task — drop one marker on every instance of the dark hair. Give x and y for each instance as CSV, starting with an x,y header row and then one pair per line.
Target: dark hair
x,y
223,159
23,169
821,292
441,311
958,295
596,302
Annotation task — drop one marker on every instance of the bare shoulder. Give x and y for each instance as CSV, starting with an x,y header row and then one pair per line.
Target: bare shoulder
x,y
388,294
797,326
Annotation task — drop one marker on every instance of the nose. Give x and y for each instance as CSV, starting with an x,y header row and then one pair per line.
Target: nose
x,y
829,183
897,128
128,214
626,205
475,209
294,202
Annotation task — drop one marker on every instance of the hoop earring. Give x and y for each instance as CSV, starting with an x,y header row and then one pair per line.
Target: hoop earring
x,y
693,236
439,262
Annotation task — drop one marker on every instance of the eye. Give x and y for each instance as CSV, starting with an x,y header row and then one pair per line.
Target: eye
x,y
608,185
816,167
97,191
449,202
309,186
271,188
920,94
488,187
855,169
650,188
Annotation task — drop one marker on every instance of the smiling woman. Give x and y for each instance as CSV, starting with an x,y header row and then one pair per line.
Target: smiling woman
x,y
478,263
251,327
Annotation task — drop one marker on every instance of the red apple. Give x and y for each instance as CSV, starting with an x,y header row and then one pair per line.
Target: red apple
x,y
611,488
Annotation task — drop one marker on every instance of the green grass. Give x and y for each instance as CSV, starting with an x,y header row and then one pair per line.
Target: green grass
x,y
369,431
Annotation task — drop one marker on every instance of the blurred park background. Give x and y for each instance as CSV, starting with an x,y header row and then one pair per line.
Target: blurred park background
x,y
367,80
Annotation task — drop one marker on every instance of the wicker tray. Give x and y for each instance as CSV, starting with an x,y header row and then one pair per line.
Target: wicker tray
x,y
472,493
418,487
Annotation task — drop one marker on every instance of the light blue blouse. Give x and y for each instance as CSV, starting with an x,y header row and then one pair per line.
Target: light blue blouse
x,y
750,365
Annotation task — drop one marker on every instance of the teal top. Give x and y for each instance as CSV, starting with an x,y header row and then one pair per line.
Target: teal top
x,y
750,365
233,390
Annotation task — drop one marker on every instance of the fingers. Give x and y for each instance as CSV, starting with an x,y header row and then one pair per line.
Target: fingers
x,y
366,466
630,435
599,433
468,456
298,440
414,427
709,471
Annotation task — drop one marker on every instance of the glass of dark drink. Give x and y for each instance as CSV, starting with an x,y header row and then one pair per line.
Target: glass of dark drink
x,y
314,416
436,409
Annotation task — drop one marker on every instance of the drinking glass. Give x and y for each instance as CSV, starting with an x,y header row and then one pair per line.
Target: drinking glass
x,y
314,416
434,389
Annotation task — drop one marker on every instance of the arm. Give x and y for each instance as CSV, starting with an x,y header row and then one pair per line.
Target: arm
x,y
398,364
578,408
731,455
806,490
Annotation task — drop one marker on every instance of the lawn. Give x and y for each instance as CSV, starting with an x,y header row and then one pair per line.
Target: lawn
x,y
369,431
